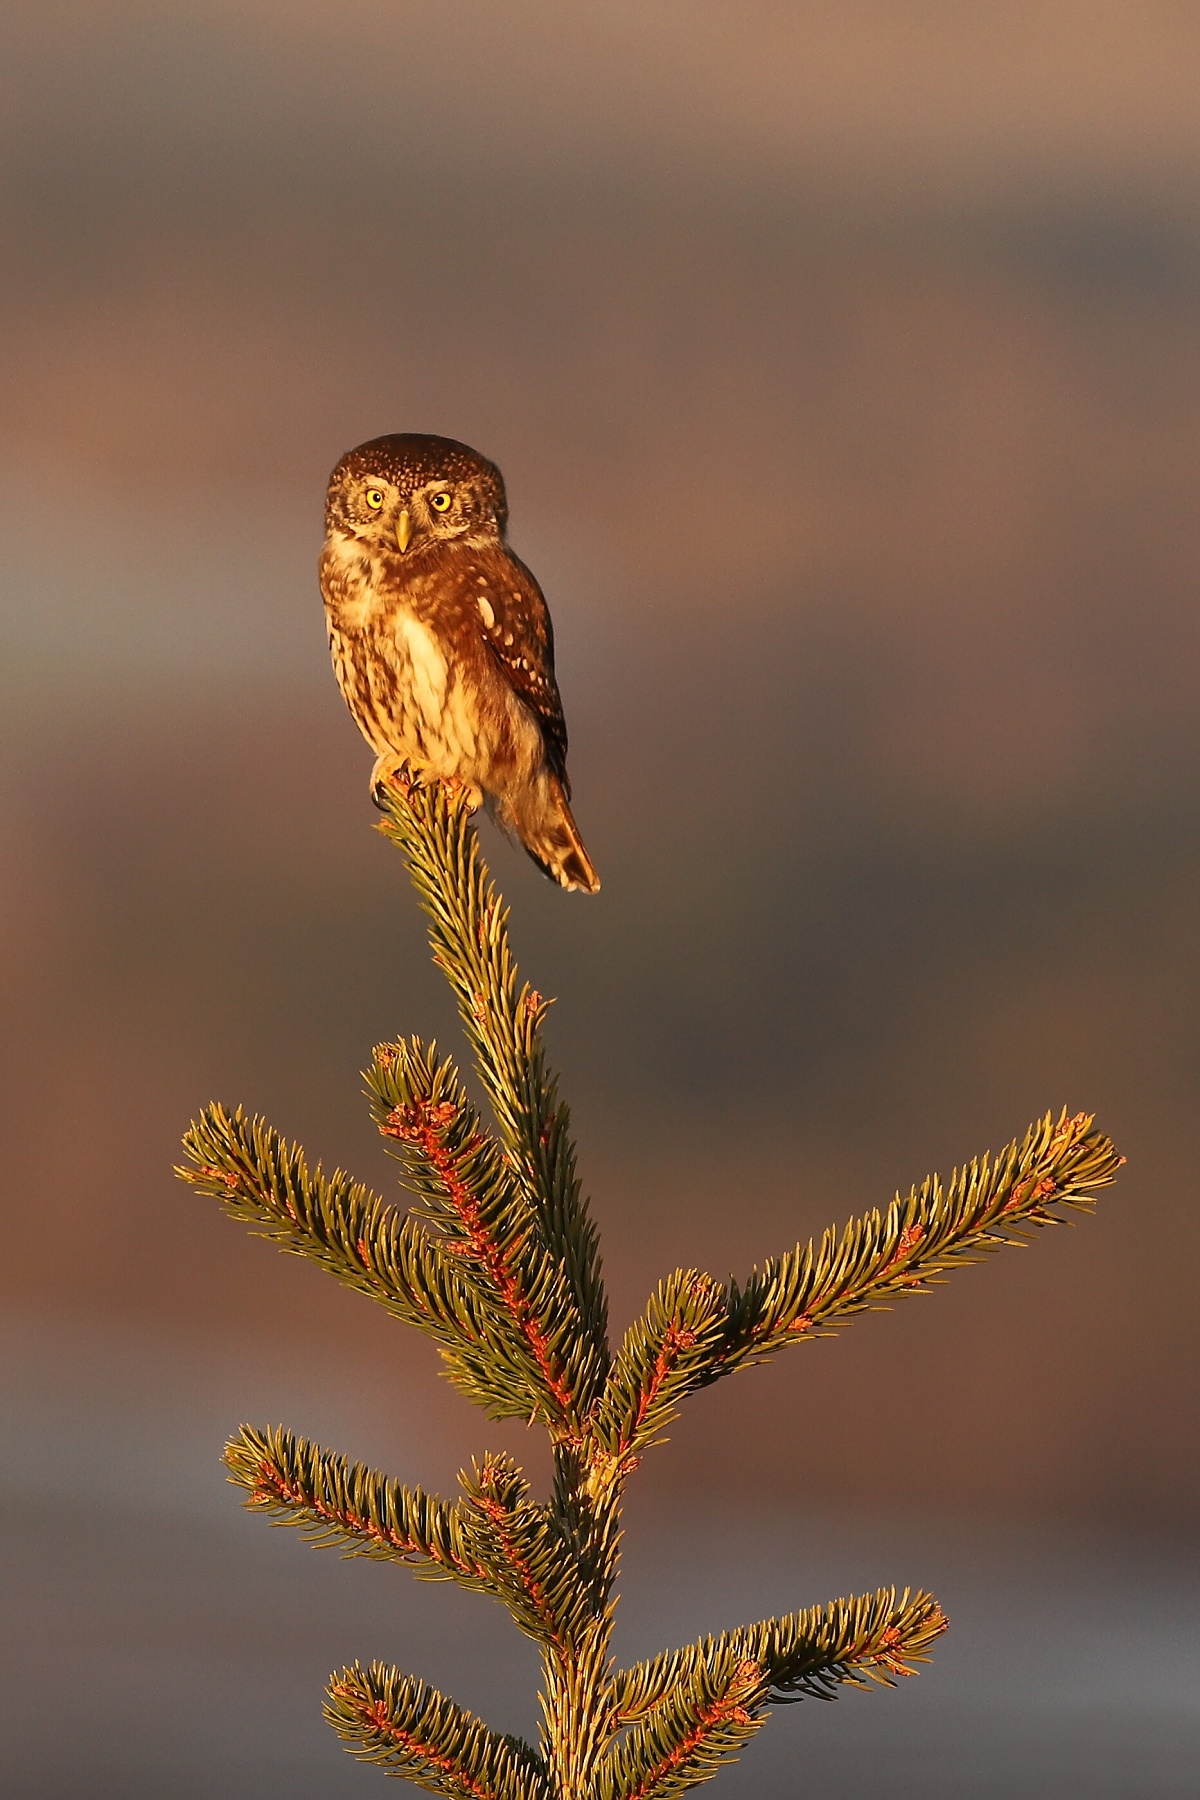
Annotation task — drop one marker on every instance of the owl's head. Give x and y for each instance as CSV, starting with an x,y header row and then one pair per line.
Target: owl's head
x,y
408,492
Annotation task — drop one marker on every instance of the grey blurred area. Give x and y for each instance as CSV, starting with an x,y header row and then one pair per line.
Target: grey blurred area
x,y
844,365
160,1643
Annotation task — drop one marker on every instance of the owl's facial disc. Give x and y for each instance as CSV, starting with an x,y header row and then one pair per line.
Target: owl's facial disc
x,y
399,515
444,510
364,507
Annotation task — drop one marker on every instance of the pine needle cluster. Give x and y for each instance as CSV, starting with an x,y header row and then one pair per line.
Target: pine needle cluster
x,y
497,1261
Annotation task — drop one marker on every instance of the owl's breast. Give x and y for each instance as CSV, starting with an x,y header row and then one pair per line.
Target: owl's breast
x,y
419,649
418,677
403,677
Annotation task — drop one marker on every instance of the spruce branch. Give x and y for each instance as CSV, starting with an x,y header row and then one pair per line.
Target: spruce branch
x,y
700,1723
530,1566
494,1541
1039,1180
472,1199
667,1353
502,1021
356,1236
409,1729
333,1501
870,1638
691,1709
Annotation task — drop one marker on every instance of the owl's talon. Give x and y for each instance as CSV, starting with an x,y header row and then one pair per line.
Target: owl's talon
x,y
460,792
391,773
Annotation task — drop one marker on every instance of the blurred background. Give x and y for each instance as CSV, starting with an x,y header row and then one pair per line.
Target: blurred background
x,y
844,364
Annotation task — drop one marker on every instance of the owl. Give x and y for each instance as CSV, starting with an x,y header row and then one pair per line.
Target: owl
x,y
441,640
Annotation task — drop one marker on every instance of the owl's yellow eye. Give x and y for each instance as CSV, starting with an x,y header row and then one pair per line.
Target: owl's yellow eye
x,y
375,498
440,502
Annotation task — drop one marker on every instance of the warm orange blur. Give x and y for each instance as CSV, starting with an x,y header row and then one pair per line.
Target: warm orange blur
x,y
844,365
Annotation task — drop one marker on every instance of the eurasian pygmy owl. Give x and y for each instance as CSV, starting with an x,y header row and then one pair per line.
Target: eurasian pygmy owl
x,y
441,640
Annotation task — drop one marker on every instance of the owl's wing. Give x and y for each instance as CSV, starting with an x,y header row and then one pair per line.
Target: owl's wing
x,y
515,623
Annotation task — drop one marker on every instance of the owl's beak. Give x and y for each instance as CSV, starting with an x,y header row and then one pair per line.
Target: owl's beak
x,y
404,529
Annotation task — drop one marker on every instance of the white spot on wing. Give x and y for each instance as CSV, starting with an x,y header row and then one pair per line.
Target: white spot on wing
x,y
485,611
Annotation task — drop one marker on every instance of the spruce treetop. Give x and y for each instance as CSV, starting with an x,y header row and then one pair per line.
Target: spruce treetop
x,y
497,1261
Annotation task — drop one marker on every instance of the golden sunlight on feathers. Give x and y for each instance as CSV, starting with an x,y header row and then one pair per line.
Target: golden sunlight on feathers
x,y
442,643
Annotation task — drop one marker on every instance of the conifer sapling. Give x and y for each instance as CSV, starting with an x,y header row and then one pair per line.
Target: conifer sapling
x,y
497,1261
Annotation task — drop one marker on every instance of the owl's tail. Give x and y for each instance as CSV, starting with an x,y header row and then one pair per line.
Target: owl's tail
x,y
543,822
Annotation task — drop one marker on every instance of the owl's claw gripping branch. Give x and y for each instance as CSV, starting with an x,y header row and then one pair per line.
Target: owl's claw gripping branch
x,y
390,771
397,774
499,1262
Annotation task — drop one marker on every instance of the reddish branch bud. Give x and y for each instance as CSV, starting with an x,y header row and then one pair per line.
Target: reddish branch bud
x,y
420,1122
1067,1133
910,1237
210,1172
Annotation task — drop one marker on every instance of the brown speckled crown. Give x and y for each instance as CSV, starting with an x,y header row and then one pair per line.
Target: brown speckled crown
x,y
411,458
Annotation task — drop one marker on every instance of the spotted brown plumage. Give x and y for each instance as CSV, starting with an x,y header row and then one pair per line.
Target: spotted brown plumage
x,y
441,639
